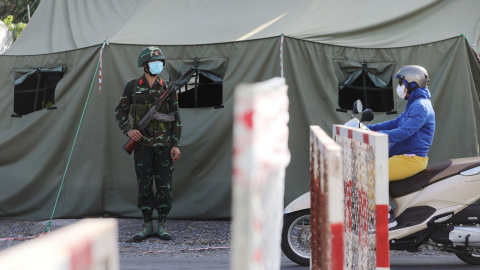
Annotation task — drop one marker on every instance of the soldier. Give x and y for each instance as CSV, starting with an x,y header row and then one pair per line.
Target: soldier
x,y
153,156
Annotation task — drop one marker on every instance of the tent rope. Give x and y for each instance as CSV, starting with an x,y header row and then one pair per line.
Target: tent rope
x,y
474,46
281,55
75,140
100,69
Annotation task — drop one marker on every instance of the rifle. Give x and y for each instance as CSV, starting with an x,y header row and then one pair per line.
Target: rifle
x,y
153,112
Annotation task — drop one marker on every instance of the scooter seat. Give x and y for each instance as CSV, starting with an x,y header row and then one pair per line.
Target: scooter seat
x,y
431,174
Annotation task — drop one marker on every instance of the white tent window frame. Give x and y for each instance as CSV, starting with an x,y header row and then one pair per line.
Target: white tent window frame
x,y
34,88
369,82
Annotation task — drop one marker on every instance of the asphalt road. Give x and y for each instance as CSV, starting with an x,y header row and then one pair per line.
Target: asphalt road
x,y
397,262
421,262
197,263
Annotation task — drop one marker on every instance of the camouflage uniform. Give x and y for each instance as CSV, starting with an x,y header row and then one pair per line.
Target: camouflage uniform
x,y
151,154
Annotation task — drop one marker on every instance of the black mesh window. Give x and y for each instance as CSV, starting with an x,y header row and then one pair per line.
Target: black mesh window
x,y
371,83
35,89
201,91
205,86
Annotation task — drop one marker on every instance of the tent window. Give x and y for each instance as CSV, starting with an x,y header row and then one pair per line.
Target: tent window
x,y
205,87
35,89
369,82
200,91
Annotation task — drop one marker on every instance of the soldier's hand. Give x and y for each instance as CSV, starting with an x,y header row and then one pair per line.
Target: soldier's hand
x,y
175,153
134,134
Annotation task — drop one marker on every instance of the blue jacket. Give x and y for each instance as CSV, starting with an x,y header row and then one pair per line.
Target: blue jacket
x,y
412,131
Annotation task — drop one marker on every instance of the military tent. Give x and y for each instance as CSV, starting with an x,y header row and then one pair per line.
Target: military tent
x,y
57,132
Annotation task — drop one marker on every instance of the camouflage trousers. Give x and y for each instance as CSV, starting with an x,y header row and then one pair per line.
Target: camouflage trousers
x,y
154,164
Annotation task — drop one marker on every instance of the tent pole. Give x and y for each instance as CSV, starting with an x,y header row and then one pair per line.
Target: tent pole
x,y
364,74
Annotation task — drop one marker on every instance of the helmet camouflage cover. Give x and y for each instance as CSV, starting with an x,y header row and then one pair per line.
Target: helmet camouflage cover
x,y
150,54
413,73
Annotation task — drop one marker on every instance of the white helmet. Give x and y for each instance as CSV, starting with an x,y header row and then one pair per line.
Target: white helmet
x,y
413,74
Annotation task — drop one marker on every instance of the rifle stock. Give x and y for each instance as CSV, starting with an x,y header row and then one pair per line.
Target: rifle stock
x,y
129,146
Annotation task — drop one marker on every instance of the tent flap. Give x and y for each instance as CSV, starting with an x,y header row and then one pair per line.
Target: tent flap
x,y
21,78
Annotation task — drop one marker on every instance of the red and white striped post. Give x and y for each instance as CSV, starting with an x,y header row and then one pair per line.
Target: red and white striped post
x,y
260,156
326,194
379,143
87,244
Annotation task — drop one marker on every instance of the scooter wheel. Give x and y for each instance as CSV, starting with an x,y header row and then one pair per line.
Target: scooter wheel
x,y
296,236
469,257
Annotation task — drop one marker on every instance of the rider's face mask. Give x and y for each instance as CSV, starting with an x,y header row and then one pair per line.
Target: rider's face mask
x,y
155,67
401,90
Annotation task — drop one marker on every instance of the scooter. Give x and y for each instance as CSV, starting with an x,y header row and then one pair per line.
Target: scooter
x,y
436,209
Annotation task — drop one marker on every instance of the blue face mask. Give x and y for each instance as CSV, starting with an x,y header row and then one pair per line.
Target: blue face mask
x,y
155,67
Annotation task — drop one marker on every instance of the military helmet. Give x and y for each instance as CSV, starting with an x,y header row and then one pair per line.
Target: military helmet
x,y
412,73
150,54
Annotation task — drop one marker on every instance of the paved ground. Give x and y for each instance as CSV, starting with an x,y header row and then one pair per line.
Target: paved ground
x,y
190,236
201,262
436,260
398,261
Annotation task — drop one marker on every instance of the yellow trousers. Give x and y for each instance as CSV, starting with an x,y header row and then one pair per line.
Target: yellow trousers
x,y
401,166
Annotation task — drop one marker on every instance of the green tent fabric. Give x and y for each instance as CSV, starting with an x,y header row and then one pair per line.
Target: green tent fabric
x,y
317,44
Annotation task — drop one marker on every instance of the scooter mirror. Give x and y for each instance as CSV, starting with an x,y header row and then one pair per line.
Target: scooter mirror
x,y
367,116
357,106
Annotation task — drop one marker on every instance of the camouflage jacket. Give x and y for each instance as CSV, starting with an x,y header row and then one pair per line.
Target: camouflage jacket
x,y
165,134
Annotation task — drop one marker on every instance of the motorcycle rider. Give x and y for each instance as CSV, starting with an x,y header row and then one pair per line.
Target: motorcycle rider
x,y
411,133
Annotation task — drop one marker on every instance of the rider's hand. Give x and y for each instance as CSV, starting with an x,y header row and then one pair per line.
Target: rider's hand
x,y
175,153
134,134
